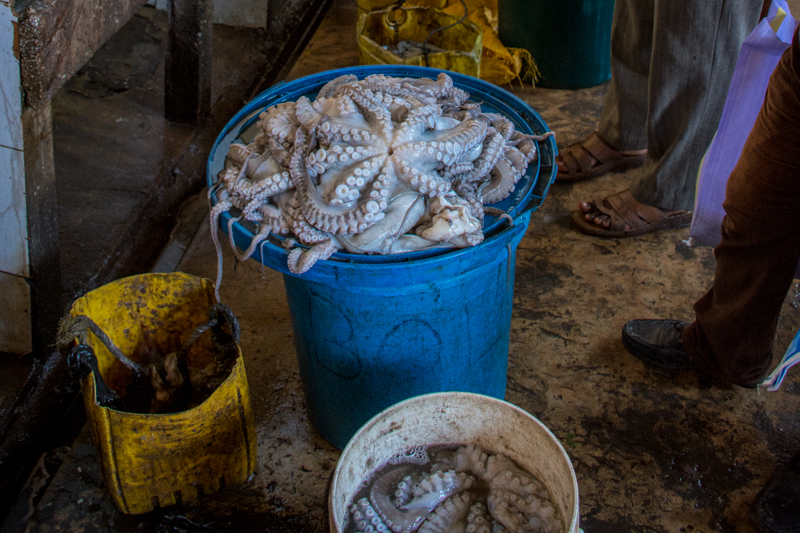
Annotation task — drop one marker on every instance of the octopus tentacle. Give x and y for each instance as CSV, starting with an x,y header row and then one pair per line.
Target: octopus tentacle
x,y
492,151
404,491
501,124
456,170
469,193
221,206
334,166
239,153
300,227
504,474
231,222
504,176
271,185
342,109
306,114
332,86
518,513
432,490
441,88
335,219
379,117
331,131
301,260
472,458
430,493
365,518
426,183
270,221
280,151
451,515
466,135
396,520
416,122
479,520
517,160
258,238
279,123
408,93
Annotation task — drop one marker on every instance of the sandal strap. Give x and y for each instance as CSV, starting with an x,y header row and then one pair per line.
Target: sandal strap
x,y
624,209
577,158
598,149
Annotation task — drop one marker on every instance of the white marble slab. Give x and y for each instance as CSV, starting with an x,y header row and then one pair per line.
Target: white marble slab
x,y
10,85
13,221
15,315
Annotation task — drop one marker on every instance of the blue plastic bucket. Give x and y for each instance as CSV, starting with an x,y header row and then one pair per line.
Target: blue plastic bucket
x,y
371,331
570,40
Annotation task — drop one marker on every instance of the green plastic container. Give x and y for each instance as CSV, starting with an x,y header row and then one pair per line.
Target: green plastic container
x,y
570,39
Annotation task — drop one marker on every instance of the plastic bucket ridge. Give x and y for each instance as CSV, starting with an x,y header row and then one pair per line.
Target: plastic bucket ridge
x,y
370,336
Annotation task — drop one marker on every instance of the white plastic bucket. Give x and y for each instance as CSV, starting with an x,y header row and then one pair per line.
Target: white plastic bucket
x,y
455,417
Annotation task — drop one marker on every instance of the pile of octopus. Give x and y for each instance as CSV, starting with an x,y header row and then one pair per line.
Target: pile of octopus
x,y
382,165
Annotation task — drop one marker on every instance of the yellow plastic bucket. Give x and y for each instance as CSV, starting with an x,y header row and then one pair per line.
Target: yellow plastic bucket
x,y
372,5
462,43
157,460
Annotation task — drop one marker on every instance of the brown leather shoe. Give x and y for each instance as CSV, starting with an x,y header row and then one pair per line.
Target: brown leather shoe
x,y
657,343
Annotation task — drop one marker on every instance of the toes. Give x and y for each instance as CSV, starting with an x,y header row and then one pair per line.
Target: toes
x,y
598,219
586,207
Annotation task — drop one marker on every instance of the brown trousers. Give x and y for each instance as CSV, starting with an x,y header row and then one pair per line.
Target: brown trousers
x,y
734,329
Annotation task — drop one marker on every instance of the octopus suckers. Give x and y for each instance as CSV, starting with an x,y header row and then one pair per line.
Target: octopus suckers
x,y
319,156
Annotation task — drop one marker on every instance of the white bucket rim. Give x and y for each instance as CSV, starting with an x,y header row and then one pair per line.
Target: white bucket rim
x,y
574,520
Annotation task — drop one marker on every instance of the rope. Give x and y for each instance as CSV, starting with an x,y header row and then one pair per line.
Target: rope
x,y
425,44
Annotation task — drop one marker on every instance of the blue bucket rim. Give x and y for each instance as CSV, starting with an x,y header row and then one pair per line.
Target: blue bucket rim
x,y
513,107
425,270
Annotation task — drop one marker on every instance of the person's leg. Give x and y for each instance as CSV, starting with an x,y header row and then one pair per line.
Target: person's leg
x,y
624,116
694,53
735,323
620,140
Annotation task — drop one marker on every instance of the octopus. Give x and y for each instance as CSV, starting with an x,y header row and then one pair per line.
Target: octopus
x,y
459,490
381,165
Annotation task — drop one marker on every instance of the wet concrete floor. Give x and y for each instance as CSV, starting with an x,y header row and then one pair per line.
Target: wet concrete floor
x,y
653,451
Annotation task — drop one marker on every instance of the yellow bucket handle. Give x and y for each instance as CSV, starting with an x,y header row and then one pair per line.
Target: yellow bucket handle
x,y
392,10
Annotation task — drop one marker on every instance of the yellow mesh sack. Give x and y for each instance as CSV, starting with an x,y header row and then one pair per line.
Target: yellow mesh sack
x,y
372,5
460,45
499,64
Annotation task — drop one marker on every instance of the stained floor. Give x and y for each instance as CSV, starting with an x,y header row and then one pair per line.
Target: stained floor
x,y
653,451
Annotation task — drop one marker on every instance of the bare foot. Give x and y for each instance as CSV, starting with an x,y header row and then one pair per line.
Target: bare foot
x,y
621,215
594,215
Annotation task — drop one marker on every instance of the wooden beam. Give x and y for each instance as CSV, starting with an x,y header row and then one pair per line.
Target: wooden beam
x,y
47,299
187,90
57,37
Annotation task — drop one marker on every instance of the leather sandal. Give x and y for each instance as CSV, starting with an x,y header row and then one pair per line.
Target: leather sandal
x,y
625,211
578,159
